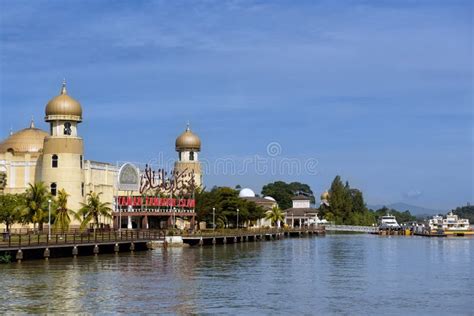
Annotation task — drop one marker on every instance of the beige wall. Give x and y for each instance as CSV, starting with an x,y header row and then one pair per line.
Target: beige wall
x,y
21,169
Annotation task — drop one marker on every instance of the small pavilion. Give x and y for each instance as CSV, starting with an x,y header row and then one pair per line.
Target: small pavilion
x,y
301,212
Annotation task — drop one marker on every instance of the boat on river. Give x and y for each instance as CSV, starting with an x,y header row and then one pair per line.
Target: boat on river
x,y
452,225
388,222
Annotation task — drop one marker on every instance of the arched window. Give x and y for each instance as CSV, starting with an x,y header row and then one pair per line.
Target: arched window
x,y
54,161
82,188
179,156
67,128
191,156
53,188
80,162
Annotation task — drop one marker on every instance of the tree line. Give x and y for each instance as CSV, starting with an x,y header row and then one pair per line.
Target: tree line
x,y
32,207
221,204
346,205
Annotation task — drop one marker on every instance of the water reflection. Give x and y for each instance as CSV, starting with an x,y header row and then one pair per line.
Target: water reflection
x,y
359,274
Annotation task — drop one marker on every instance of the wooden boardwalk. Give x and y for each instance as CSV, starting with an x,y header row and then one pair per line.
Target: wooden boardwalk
x,y
35,246
237,236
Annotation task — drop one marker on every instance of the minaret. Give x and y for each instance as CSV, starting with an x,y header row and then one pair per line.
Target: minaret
x,y
188,145
62,161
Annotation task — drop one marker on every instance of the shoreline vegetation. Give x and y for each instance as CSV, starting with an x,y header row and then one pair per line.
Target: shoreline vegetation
x,y
343,205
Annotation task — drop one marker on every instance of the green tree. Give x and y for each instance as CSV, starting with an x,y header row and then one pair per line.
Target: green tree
x,y
36,205
10,209
337,199
346,205
226,201
465,212
91,210
62,218
282,192
275,215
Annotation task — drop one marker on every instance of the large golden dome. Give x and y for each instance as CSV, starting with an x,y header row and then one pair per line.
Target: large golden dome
x,y
63,107
188,141
28,140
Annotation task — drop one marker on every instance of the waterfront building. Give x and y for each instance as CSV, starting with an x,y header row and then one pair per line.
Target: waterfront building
x,y
56,158
267,203
301,213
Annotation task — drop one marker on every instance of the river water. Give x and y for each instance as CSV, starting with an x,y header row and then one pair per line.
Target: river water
x,y
336,274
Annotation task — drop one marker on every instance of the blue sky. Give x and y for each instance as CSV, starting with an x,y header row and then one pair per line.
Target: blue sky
x,y
380,92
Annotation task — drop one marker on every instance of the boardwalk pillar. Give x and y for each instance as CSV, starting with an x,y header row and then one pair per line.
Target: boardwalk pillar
x,y
225,240
19,255
46,254
132,247
201,241
75,251
235,239
116,248
145,222
213,240
96,250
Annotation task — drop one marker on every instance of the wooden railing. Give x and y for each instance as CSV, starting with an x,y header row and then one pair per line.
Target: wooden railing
x,y
349,228
77,238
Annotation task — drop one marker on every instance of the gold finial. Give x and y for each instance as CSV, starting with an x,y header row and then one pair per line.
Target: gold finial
x,y
63,88
32,123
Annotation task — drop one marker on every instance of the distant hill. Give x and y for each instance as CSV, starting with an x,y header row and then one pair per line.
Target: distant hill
x,y
414,210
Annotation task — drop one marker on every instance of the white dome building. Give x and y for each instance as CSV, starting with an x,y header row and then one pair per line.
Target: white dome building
x,y
246,193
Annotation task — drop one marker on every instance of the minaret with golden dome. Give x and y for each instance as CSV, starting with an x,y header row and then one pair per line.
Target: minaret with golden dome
x,y
188,146
63,149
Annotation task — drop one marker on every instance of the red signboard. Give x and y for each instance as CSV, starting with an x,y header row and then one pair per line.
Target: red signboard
x,y
155,201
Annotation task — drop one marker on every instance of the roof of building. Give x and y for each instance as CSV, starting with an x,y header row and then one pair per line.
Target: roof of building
x,y
27,140
258,200
188,141
325,195
63,107
301,211
246,193
300,197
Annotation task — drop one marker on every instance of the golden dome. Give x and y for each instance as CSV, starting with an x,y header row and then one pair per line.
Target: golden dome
x,y
63,107
188,141
325,195
28,140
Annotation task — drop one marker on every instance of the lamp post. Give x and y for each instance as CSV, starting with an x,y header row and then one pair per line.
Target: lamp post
x,y
238,218
213,218
174,217
49,219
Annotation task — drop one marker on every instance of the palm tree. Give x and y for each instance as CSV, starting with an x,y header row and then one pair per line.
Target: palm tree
x,y
93,209
275,215
36,204
62,219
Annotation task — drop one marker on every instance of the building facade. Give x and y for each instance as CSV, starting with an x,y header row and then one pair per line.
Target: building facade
x,y
56,158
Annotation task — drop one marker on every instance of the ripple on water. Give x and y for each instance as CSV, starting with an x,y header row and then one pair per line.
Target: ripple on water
x,y
359,274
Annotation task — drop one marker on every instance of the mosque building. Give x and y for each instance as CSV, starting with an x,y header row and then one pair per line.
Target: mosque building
x,y
56,158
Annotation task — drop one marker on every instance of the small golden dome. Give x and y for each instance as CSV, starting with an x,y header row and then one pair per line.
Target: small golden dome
x,y
325,195
63,107
188,141
28,140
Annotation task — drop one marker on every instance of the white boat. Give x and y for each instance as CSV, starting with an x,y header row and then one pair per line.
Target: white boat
x,y
388,222
451,225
